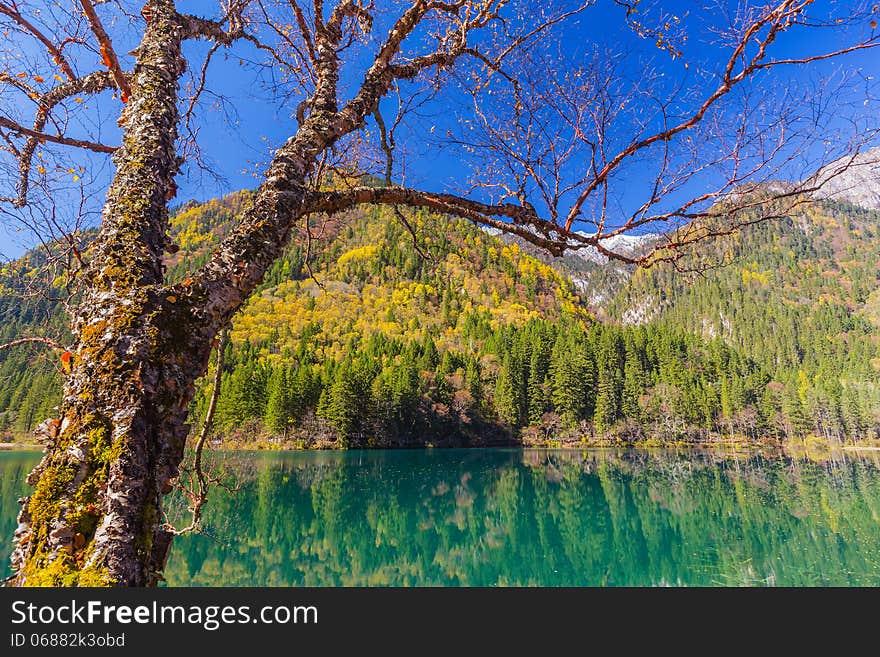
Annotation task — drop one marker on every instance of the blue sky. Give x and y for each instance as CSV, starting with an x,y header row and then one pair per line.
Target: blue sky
x,y
238,145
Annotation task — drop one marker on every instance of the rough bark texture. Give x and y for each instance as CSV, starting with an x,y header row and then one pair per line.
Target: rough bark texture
x,y
94,517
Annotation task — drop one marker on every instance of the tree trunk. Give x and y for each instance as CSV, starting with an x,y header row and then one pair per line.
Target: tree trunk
x,y
95,515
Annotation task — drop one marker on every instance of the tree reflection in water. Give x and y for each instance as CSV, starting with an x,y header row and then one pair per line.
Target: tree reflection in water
x,y
534,518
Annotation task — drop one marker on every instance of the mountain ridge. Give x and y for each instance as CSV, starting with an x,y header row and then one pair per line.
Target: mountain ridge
x,y
452,336
854,179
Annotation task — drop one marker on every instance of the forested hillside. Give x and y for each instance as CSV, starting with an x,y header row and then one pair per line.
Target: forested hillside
x,y
427,330
30,375
800,296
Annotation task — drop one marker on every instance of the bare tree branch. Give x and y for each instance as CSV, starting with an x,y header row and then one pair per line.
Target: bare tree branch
x,y
775,20
49,342
729,214
224,32
53,50
515,219
198,493
387,143
304,31
92,83
108,54
55,139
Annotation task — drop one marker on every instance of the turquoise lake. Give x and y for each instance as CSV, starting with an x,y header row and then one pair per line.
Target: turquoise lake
x,y
508,517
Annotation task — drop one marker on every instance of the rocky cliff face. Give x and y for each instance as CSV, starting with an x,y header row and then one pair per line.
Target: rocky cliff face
x,y
859,183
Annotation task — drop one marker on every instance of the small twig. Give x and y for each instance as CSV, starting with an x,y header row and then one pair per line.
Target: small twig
x,y
56,139
412,233
49,342
305,32
387,143
108,55
199,497
54,50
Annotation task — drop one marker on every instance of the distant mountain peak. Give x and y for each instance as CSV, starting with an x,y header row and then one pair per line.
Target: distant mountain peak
x,y
857,182
625,244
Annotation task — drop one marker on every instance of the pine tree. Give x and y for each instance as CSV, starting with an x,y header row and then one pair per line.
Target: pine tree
x,y
343,403
852,413
797,424
505,395
633,384
278,407
28,417
609,385
474,383
405,395
305,391
537,398
430,357
571,380
243,395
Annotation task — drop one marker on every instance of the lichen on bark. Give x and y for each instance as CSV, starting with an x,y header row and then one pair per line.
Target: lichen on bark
x,y
58,522
92,519
95,517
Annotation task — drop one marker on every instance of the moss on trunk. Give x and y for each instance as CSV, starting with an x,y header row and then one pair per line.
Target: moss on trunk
x,y
94,517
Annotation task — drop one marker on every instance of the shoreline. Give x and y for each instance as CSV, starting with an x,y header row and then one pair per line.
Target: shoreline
x,y
766,445
20,447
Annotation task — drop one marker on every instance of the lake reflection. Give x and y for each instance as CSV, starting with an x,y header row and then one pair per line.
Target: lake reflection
x,y
526,517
